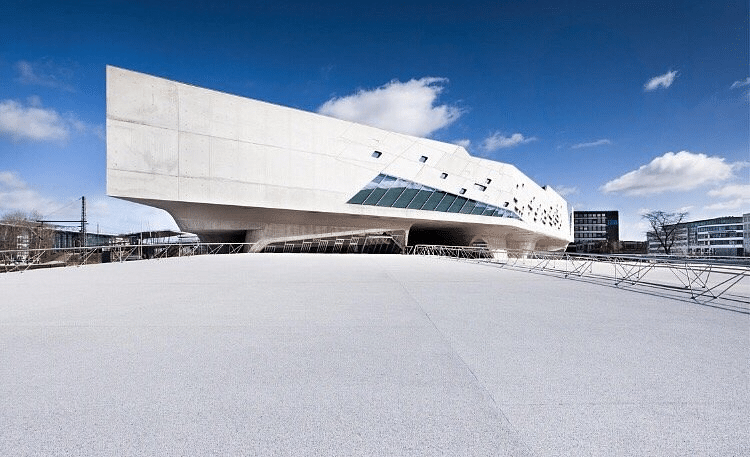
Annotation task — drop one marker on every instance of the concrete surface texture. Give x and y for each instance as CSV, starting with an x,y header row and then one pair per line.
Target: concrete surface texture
x,y
275,354
226,167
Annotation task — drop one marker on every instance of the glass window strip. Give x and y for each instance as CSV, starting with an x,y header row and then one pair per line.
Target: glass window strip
x,y
457,204
420,200
433,201
392,194
479,208
468,207
376,193
446,202
406,197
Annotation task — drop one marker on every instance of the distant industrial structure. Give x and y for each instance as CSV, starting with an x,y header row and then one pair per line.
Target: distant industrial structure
x,y
720,236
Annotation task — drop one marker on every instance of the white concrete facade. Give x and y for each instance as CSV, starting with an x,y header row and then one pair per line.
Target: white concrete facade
x,y
232,168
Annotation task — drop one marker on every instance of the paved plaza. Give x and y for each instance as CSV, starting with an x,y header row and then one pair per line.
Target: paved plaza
x,y
295,354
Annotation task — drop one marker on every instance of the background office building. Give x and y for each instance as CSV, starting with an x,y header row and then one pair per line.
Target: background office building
x,y
595,231
721,236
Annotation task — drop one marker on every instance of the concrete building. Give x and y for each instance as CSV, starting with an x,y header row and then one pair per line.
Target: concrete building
x,y
596,231
721,236
229,168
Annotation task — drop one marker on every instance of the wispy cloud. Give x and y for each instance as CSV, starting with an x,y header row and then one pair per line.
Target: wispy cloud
x,y
84,127
45,74
740,83
463,143
31,122
731,191
499,141
407,107
591,144
733,196
661,81
564,191
672,172
17,195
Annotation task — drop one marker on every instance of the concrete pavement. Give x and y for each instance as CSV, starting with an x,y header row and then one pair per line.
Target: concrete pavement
x,y
275,354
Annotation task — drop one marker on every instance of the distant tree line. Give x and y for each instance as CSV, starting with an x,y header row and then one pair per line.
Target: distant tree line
x,y
19,230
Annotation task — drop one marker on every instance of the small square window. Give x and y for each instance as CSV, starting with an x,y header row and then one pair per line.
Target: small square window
x,y
443,175
423,159
377,154
487,181
462,191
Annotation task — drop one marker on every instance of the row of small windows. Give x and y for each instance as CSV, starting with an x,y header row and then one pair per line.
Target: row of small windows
x,y
719,228
590,235
423,159
390,191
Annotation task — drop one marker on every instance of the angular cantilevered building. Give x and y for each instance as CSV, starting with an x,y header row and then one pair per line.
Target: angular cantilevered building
x,y
229,168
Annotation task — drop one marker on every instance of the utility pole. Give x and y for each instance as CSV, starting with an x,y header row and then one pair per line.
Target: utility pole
x,y
83,222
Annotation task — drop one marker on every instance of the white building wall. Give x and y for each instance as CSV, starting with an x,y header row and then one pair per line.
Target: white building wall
x,y
171,142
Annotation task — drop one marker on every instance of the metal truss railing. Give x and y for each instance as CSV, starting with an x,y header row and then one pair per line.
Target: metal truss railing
x,y
716,281
26,259
373,244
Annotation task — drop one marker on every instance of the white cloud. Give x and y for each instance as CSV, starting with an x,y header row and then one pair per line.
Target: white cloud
x,y
498,141
119,216
662,81
591,144
633,231
642,211
670,173
112,215
45,74
734,204
84,127
566,190
406,107
31,122
731,190
740,83
734,196
16,195
463,143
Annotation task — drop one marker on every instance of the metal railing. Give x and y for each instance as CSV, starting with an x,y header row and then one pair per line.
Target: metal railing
x,y
27,259
715,281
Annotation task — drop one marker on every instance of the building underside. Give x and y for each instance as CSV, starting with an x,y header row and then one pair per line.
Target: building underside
x,y
279,230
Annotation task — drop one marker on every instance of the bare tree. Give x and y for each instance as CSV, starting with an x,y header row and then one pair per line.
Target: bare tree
x,y
664,225
19,230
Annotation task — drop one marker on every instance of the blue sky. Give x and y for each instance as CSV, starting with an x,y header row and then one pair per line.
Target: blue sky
x,y
630,106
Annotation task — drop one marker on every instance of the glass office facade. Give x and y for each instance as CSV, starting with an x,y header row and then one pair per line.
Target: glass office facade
x,y
393,192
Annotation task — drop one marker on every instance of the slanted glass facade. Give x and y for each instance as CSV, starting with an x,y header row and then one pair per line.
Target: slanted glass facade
x,y
393,192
